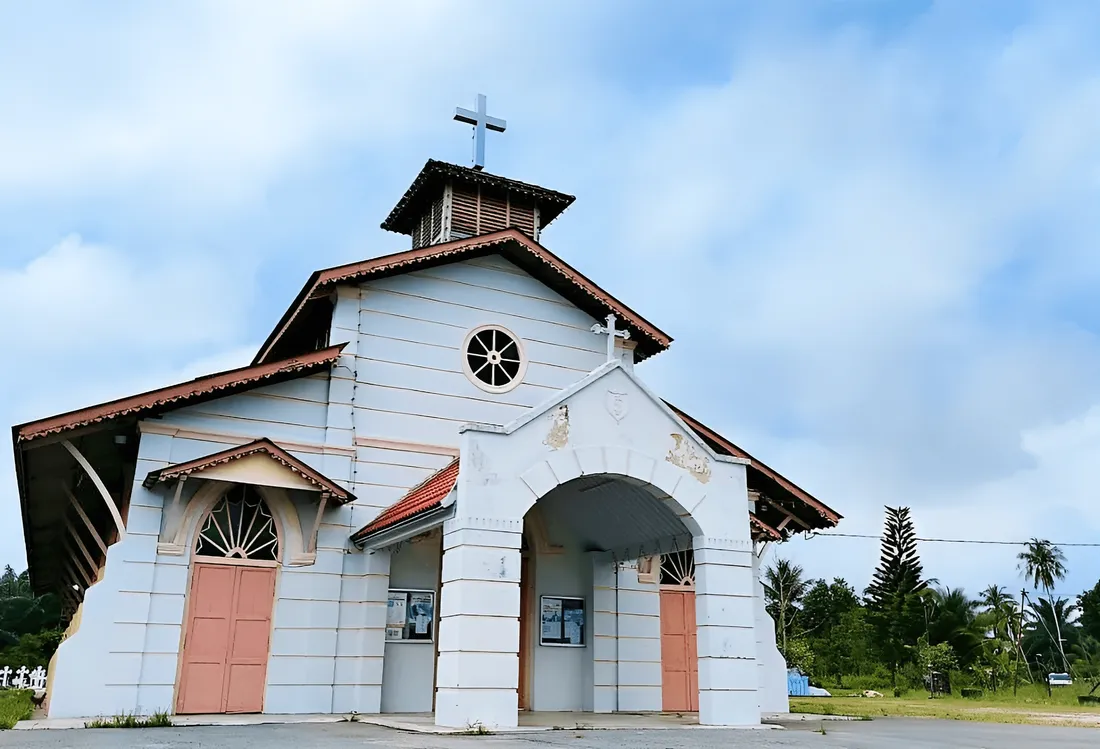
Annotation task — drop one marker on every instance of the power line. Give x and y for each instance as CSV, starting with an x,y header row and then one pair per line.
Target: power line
x,y
948,540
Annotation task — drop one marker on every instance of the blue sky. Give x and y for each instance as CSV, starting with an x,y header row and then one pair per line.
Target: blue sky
x,y
870,226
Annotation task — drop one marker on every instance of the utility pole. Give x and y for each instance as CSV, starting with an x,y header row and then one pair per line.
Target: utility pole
x,y
1019,644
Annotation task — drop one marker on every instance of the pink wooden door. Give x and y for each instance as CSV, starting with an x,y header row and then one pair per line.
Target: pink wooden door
x,y
226,645
679,663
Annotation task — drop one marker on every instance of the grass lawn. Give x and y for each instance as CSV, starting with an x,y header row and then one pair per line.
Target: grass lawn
x,y
15,705
1030,706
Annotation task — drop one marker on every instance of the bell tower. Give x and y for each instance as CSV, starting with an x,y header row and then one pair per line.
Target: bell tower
x,y
447,202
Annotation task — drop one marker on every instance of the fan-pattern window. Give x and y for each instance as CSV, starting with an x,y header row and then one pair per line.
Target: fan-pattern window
x,y
493,359
678,569
240,527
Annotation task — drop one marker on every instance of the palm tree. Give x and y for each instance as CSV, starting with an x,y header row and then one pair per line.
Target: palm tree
x,y
999,617
784,589
1045,563
952,618
1050,617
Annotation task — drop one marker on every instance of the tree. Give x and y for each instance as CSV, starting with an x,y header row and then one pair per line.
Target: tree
x,y
952,619
21,611
1043,633
999,618
1087,662
893,598
1089,604
784,590
1001,608
825,605
1045,563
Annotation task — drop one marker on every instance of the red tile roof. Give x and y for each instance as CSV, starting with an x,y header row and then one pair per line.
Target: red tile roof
x,y
511,244
186,393
427,495
266,446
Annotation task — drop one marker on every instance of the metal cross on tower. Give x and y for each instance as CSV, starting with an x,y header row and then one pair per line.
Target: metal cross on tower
x,y
481,122
612,334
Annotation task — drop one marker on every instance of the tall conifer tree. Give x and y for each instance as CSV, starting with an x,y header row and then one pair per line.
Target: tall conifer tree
x,y
894,601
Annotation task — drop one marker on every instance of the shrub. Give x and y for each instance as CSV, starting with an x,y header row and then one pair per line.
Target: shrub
x,y
15,705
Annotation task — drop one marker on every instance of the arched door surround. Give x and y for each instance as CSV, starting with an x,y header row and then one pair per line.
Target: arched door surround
x,y
227,631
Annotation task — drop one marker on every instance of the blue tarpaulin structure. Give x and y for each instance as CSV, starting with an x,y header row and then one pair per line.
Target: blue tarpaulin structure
x,y
797,684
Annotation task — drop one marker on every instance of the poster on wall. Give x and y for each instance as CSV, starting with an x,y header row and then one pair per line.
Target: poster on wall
x,y
421,613
562,621
551,619
410,616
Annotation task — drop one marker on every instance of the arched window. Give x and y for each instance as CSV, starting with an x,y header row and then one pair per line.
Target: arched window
x,y
240,527
678,569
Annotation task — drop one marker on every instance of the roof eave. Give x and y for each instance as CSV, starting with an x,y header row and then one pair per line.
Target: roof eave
x,y
651,339
404,529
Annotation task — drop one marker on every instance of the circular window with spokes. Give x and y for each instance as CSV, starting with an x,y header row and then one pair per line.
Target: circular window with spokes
x,y
493,358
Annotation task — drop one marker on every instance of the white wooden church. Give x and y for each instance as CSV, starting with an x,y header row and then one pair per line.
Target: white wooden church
x,y
440,486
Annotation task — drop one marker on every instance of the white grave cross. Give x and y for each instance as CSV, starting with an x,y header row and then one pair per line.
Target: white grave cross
x,y
38,678
20,678
5,672
612,334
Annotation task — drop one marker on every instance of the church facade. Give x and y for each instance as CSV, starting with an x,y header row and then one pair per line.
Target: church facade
x,y
441,486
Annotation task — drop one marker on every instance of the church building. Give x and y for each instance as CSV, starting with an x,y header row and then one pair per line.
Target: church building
x,y
441,486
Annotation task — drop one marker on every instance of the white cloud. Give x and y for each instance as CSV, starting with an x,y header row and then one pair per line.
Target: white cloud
x,y
876,249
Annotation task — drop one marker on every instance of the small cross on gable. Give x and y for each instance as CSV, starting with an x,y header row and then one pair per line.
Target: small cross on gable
x,y
611,333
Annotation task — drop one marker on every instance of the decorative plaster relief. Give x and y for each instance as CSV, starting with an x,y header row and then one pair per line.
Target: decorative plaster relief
x,y
617,405
558,437
683,455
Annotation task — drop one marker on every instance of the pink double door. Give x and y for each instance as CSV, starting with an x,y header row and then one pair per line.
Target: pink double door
x,y
679,659
227,639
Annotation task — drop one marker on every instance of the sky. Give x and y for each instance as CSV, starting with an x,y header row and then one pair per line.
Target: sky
x,y
870,226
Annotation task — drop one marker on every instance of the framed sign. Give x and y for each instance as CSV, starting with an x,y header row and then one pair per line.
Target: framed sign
x,y
410,616
561,622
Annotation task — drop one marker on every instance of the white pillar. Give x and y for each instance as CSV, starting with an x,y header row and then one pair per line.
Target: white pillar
x,y
725,618
478,668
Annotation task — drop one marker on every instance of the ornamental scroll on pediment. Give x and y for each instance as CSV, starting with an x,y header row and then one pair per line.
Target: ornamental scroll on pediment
x,y
683,455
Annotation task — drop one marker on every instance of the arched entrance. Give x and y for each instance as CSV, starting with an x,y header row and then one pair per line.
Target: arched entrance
x,y
591,631
223,661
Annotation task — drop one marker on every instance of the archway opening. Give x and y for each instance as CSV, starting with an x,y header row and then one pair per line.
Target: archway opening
x,y
584,594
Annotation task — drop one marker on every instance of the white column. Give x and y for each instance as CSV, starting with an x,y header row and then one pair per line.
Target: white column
x,y
478,668
725,617
605,655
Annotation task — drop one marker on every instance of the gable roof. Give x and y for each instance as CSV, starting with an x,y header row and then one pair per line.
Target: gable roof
x,y
435,174
780,493
425,496
198,390
259,447
512,244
